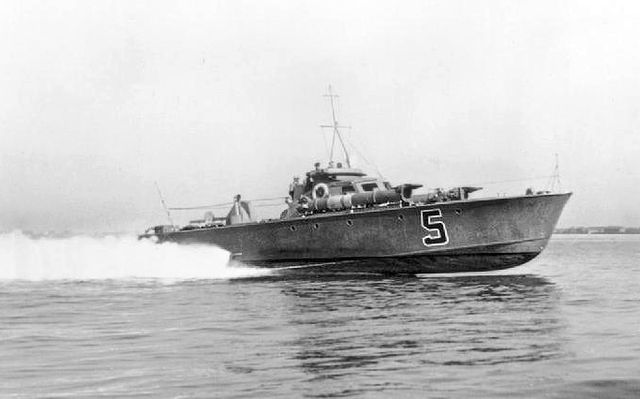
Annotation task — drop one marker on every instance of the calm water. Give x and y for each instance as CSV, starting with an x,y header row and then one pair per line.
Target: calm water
x,y
565,325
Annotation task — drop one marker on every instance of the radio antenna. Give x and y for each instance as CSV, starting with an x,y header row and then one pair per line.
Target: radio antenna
x,y
164,204
555,176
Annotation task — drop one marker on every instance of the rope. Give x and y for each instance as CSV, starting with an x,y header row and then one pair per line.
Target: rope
x,y
361,155
510,180
326,145
226,204
487,183
267,205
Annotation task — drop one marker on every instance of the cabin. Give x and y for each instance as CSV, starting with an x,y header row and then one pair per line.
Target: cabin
x,y
322,183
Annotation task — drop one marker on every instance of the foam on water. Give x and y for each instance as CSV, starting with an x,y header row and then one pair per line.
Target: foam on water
x,y
111,257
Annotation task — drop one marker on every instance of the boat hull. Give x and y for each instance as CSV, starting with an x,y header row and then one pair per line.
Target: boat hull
x,y
454,236
450,262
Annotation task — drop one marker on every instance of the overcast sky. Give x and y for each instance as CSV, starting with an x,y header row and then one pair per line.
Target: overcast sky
x,y
99,99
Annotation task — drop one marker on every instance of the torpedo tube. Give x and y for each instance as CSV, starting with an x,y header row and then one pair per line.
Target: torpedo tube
x,y
347,201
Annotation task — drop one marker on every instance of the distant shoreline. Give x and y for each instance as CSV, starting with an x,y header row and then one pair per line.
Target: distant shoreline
x,y
598,230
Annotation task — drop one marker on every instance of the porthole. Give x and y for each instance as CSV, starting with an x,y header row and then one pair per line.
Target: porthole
x,y
316,225
293,228
401,217
458,211
349,222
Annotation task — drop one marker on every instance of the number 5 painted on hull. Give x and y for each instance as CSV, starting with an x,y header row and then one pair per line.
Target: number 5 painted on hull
x,y
437,227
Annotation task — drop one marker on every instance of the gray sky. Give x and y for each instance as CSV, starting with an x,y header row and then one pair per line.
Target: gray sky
x,y
99,99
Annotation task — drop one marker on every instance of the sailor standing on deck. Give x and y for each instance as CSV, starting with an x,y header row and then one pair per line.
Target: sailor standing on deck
x,y
293,185
240,211
309,181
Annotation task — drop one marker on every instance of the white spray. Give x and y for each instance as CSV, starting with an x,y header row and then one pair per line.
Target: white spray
x,y
111,257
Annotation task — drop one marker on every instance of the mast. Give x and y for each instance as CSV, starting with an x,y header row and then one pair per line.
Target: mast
x,y
336,128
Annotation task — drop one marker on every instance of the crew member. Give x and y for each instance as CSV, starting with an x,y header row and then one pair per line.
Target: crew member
x,y
293,185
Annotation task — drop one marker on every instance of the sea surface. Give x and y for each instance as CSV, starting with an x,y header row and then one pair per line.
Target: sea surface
x,y
87,317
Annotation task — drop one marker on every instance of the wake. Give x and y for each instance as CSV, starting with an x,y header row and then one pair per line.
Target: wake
x,y
112,257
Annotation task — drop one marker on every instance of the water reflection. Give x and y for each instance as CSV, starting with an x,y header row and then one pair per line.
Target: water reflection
x,y
359,326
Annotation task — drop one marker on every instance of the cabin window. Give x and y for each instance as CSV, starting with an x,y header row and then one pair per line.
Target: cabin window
x,y
369,186
348,189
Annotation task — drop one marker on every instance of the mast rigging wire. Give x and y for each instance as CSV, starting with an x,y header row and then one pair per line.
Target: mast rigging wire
x,y
488,183
226,204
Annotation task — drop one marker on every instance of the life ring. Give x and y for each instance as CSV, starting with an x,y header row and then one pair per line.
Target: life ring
x,y
320,190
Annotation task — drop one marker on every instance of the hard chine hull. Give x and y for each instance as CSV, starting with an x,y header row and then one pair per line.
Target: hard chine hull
x,y
454,236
